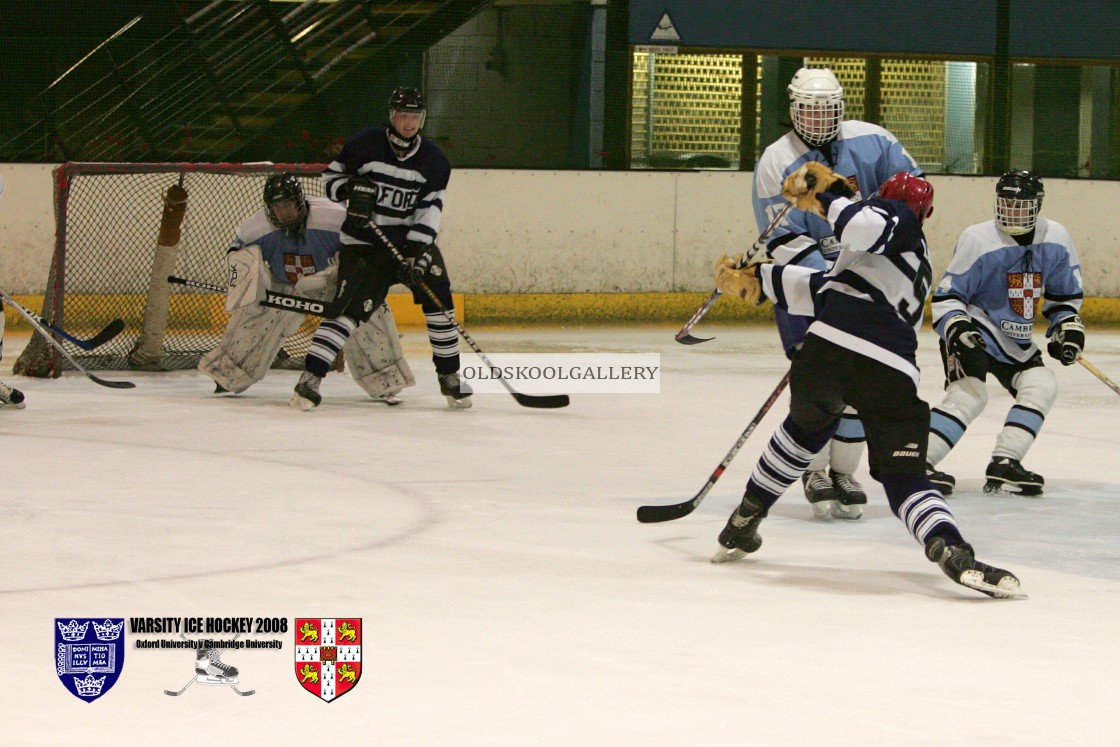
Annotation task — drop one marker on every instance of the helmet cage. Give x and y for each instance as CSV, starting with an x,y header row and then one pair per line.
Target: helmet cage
x,y
1018,201
282,187
816,105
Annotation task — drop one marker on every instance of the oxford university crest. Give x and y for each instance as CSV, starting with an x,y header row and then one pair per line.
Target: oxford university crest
x,y
89,654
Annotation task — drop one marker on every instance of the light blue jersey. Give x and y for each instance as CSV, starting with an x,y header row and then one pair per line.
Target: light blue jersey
x,y
1001,286
865,153
290,257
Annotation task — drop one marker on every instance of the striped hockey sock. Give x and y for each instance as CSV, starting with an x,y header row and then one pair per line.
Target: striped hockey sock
x,y
787,455
445,341
327,342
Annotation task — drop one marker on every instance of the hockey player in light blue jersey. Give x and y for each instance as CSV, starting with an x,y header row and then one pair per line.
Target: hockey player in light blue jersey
x,y
1003,272
867,155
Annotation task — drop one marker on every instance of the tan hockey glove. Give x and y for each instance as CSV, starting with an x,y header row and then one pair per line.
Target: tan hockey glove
x,y
802,186
739,281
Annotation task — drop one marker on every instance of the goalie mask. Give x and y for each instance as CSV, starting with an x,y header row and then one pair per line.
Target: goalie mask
x,y
407,114
915,191
816,105
1018,199
284,202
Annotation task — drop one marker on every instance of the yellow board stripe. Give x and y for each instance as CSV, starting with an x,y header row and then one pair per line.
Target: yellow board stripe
x,y
489,309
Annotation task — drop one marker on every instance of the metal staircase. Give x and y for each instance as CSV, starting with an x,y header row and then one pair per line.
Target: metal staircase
x,y
219,75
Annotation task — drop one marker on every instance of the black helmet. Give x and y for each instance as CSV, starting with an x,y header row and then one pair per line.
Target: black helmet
x,y
280,187
1019,196
406,99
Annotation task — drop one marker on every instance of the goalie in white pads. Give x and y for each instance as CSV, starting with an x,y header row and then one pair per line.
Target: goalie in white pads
x,y
860,351
9,397
984,309
290,246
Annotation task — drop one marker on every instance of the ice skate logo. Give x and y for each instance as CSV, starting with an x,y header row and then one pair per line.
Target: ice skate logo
x,y
1023,288
328,655
209,669
88,662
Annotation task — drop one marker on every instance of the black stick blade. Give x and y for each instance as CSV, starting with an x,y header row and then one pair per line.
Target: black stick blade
x,y
655,514
684,338
542,402
112,384
114,328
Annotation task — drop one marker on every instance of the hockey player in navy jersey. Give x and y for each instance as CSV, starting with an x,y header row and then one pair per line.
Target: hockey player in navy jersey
x,y
867,155
290,245
391,177
859,352
1002,273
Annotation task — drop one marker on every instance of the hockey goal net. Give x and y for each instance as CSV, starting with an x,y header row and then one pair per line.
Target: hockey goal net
x,y
120,230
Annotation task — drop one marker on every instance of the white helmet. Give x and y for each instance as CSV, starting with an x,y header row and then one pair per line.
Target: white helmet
x,y
816,105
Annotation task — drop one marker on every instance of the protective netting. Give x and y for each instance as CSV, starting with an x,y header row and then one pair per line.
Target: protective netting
x,y
108,222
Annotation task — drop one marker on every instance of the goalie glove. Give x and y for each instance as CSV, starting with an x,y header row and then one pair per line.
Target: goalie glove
x,y
802,187
1068,340
740,281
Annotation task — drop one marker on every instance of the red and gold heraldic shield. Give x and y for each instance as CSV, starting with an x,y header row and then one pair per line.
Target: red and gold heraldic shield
x,y
328,655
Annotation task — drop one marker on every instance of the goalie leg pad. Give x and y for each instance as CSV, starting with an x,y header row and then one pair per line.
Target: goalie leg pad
x,y
250,344
375,357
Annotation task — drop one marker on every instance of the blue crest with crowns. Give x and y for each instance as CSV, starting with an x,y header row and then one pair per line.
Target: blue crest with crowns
x,y
88,654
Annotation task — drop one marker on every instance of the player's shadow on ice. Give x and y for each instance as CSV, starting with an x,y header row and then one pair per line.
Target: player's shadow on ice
x,y
850,580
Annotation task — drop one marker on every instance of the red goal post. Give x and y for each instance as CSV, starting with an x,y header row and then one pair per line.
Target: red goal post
x,y
120,230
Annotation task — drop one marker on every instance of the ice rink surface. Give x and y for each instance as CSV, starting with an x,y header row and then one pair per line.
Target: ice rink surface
x,y
509,596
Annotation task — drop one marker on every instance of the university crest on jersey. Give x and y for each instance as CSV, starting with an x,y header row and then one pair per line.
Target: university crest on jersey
x,y
298,265
328,655
88,654
1024,289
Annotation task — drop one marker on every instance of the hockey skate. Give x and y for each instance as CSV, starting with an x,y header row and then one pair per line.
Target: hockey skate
x,y
850,498
306,395
10,397
820,493
740,537
390,399
943,481
960,564
458,395
209,669
1008,475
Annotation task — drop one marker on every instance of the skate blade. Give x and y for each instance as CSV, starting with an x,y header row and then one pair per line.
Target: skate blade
x,y
203,679
301,403
459,404
850,513
995,487
725,555
824,509
388,399
1008,588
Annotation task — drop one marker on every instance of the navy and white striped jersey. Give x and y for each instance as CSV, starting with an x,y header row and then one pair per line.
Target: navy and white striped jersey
x,y
410,188
865,153
1001,286
871,300
290,257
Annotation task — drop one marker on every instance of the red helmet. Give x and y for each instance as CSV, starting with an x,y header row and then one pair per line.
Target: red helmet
x,y
915,191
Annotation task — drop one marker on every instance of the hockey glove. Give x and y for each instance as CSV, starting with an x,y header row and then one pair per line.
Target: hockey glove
x,y
739,281
802,187
416,265
962,336
360,203
1068,340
